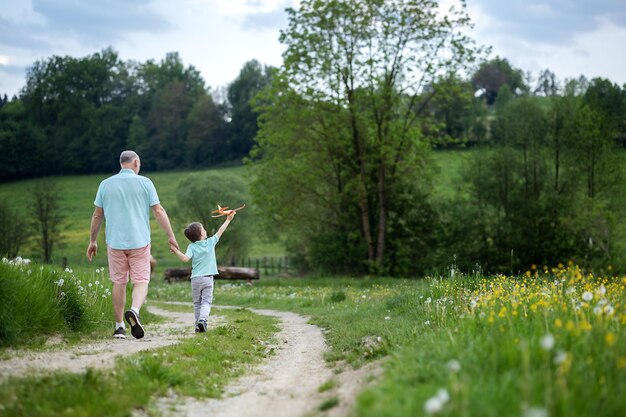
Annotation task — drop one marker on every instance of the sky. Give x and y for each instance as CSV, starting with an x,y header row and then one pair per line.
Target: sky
x,y
569,37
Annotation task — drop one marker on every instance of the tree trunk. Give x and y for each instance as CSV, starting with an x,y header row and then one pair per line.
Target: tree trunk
x,y
363,201
382,214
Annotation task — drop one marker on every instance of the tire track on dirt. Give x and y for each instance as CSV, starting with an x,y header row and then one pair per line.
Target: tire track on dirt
x,y
102,354
286,384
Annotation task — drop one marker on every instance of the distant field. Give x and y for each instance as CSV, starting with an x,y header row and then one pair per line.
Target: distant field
x,y
78,206
80,192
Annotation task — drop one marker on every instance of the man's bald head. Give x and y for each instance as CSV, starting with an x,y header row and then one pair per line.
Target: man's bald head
x,y
130,160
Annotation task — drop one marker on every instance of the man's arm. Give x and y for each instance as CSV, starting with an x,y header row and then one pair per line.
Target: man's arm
x,y
161,215
225,224
96,224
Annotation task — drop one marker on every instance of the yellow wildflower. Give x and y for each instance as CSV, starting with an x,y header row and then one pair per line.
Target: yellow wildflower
x,y
609,339
558,323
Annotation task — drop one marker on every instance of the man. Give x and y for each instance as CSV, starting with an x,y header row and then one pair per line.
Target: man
x,y
125,200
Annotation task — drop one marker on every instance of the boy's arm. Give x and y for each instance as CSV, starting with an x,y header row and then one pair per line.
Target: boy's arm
x,y
225,224
180,255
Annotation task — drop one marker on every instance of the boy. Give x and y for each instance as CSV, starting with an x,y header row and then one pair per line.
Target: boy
x,y
201,252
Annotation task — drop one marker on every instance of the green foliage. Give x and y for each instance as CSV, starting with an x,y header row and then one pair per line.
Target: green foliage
x,y
341,129
46,216
493,74
252,79
13,231
40,301
200,194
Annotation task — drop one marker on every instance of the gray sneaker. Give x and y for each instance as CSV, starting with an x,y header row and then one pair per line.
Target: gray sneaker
x,y
119,333
201,326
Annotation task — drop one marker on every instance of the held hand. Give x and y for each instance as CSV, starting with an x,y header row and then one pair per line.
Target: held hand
x,y
173,248
173,243
92,250
231,215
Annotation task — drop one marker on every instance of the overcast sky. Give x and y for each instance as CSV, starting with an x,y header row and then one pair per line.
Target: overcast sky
x,y
570,37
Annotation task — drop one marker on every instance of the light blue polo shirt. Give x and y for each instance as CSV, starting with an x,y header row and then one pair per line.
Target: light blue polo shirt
x,y
126,199
202,254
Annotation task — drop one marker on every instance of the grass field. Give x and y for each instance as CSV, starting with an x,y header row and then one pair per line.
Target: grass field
x,y
77,204
549,343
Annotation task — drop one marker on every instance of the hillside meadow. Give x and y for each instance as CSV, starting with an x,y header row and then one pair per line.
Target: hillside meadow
x,y
79,193
547,343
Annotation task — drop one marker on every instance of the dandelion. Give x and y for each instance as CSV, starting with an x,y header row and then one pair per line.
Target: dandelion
x,y
443,395
97,282
535,412
427,322
453,366
560,357
609,310
597,310
473,304
547,342
610,338
387,318
601,290
60,282
62,294
587,296
433,405
104,296
429,300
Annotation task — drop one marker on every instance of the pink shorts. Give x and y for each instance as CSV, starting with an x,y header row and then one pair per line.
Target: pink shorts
x,y
135,262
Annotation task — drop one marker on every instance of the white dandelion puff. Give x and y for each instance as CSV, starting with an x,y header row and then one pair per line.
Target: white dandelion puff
x,y
454,366
547,342
587,296
433,405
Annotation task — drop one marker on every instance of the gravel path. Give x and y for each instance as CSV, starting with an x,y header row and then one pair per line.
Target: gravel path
x,y
102,354
285,385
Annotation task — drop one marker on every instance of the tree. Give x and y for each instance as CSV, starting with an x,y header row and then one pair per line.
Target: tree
x,y
494,74
243,124
13,231
45,208
205,133
199,194
359,72
547,84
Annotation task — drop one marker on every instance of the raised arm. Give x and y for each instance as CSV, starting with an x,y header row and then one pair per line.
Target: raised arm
x,y
225,224
164,221
96,223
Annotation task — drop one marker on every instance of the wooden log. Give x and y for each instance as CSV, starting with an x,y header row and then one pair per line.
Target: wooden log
x,y
225,272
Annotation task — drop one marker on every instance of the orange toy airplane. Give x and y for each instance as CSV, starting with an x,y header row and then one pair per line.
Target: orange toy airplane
x,y
222,211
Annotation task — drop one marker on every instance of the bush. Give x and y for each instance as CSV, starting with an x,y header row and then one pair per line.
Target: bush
x,y
200,194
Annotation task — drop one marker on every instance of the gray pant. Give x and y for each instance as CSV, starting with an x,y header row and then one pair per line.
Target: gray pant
x,y
202,295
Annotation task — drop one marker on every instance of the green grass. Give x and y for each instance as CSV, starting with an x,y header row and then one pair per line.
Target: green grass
x,y
77,207
39,301
476,341
199,366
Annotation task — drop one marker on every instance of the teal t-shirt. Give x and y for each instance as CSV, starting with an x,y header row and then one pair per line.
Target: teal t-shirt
x,y
202,254
126,199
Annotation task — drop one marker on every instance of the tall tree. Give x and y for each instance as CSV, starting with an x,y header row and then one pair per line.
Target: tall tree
x,y
45,208
243,124
368,63
494,74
